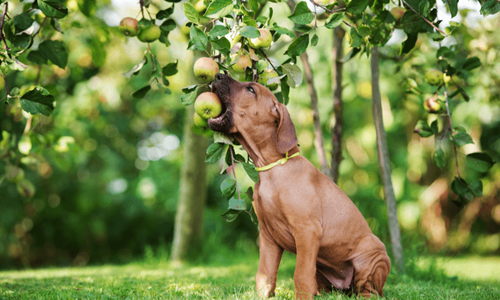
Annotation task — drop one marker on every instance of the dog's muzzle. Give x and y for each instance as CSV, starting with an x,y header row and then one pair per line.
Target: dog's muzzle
x,y
221,87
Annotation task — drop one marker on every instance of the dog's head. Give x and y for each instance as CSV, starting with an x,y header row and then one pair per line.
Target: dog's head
x,y
251,109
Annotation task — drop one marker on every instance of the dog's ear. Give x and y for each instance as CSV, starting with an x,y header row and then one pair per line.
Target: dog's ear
x,y
286,136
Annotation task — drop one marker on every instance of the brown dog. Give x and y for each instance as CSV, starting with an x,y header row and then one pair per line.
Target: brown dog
x,y
299,209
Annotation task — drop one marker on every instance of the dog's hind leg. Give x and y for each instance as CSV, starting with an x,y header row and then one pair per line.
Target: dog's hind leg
x,y
371,267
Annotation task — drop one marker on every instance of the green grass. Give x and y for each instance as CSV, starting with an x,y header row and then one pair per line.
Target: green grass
x,y
476,278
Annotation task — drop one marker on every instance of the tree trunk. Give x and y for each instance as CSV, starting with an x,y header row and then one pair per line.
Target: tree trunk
x,y
189,215
337,64
385,165
318,132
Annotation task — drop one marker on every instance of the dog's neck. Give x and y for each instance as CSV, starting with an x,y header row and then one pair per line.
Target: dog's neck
x,y
263,150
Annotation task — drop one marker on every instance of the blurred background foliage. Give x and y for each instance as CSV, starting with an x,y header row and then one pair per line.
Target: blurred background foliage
x,y
107,187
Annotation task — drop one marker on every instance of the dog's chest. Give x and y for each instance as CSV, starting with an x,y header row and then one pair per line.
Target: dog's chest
x,y
272,220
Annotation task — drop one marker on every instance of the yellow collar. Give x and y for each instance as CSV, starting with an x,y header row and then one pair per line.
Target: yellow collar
x,y
281,161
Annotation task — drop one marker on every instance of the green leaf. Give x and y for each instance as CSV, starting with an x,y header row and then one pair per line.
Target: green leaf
x,y
334,20
22,22
479,161
423,129
135,70
298,46
228,187
230,215
472,63
168,25
87,7
461,138
170,69
55,52
191,13
460,187
218,31
221,44
198,37
293,74
251,172
220,137
285,92
409,43
35,57
282,30
237,204
250,32
439,158
38,100
302,28
302,14
249,193
357,6
453,6
364,30
411,22
163,14
189,96
53,8
314,40
356,40
214,153
476,187
490,7
219,8
140,93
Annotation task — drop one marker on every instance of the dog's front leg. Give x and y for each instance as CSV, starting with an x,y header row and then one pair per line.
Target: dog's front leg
x,y
307,240
269,261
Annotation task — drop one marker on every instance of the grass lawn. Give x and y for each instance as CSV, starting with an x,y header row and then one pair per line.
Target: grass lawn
x,y
473,278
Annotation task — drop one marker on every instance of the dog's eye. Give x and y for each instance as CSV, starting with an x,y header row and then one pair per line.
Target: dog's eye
x,y
250,89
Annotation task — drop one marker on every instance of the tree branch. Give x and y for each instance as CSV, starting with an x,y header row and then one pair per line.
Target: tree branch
x,y
337,67
429,22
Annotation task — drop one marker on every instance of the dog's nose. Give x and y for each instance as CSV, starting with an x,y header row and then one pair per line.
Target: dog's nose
x,y
219,76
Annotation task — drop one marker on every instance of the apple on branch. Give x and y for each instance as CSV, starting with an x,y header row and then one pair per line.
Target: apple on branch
x,y
205,69
149,33
263,41
128,26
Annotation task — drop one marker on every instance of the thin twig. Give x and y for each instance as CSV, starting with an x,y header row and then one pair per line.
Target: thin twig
x,y
2,21
6,85
267,58
429,22
326,9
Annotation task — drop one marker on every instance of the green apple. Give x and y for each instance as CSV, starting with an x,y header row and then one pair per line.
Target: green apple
x,y
434,77
265,76
432,105
263,41
149,34
205,69
240,62
208,105
25,188
397,13
199,121
199,5
235,40
128,26
14,174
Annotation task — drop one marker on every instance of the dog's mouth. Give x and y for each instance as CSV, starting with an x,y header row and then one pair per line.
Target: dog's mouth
x,y
223,122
